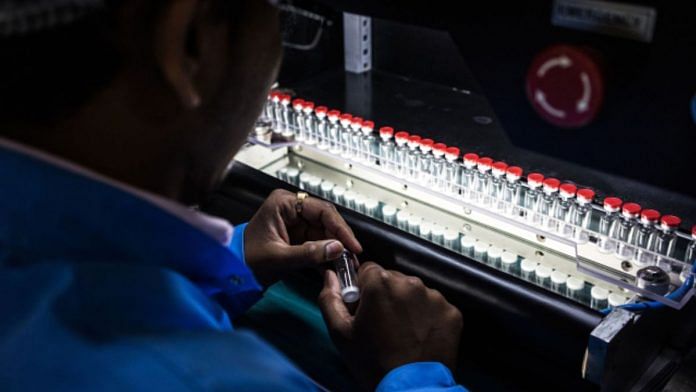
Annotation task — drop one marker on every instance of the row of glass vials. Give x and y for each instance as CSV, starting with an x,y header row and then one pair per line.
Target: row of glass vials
x,y
628,231
536,272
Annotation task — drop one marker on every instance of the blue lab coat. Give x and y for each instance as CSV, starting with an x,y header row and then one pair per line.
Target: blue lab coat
x,y
102,290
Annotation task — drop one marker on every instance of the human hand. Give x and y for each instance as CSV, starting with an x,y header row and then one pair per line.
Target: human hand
x,y
398,321
279,239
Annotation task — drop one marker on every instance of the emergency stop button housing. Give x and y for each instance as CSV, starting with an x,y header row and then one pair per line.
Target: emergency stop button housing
x,y
565,86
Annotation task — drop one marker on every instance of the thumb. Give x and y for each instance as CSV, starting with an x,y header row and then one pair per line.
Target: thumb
x,y
312,252
336,315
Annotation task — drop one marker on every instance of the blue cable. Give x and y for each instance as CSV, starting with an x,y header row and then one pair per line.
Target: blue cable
x,y
675,295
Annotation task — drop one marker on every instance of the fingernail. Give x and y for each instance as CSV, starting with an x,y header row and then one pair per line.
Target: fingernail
x,y
332,250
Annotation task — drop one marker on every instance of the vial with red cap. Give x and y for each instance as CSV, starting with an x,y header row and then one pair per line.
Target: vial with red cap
x,y
277,109
438,165
562,208
268,107
368,144
334,131
414,152
308,129
511,191
641,235
386,149
401,154
345,134
425,162
546,202
622,228
451,171
284,125
468,174
611,207
665,238
355,152
494,191
532,195
297,118
581,214
690,253
322,128
484,166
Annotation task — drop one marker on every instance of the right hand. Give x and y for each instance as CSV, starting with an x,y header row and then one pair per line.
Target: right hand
x,y
398,321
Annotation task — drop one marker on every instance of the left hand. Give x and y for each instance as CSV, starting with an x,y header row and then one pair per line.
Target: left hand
x,y
278,239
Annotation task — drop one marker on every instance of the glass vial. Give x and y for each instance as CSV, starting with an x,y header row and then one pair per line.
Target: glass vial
x,y
546,203
599,298
581,214
510,201
386,149
532,195
621,230
611,207
451,171
346,266
562,209
495,186
334,132
468,175
640,237
322,127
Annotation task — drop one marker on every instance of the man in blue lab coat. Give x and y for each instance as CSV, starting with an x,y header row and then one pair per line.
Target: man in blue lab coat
x,y
114,115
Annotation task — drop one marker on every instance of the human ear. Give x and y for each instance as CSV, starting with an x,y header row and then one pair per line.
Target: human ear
x,y
177,63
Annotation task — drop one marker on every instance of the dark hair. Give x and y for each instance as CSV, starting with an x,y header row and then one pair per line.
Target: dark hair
x,y
46,75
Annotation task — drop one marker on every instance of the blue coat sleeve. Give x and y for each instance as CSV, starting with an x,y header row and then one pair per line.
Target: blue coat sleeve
x,y
237,243
420,376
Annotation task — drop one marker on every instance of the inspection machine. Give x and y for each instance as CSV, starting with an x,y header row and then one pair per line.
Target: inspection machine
x,y
530,161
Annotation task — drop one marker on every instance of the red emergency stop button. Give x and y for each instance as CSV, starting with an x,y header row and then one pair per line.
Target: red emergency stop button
x,y
565,86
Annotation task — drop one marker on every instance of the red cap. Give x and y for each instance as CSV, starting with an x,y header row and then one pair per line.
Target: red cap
x,y
386,131
414,139
514,172
471,157
486,162
401,135
693,231
426,145
500,167
368,124
585,194
441,147
650,215
298,102
535,179
308,106
551,184
568,189
321,109
356,121
612,203
671,221
452,152
275,95
631,209
285,98
346,117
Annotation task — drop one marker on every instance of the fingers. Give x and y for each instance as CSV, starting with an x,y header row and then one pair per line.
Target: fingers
x,y
320,213
336,315
309,253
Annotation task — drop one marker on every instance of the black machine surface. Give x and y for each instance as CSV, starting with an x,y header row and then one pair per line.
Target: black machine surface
x,y
460,75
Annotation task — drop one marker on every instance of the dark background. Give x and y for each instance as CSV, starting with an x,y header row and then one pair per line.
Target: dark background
x,y
454,71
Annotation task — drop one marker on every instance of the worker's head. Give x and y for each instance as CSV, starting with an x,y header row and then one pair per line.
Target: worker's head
x,y
159,94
